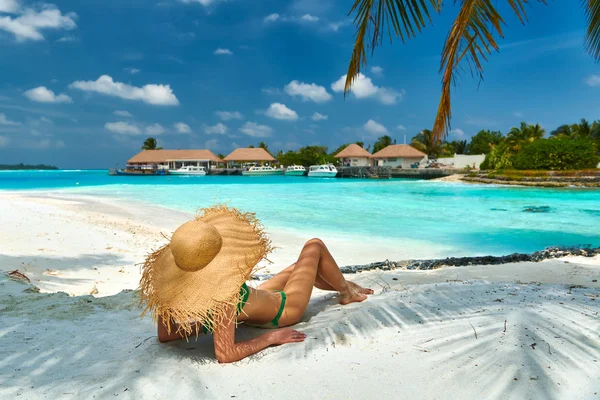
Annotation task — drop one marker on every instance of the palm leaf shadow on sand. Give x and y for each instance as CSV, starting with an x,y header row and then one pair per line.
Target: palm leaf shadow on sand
x,y
80,346
462,323
465,322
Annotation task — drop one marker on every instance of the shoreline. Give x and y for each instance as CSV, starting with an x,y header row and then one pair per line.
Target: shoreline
x,y
118,236
549,179
549,253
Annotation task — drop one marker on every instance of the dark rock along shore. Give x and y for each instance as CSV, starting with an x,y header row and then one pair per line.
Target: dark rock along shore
x,y
547,253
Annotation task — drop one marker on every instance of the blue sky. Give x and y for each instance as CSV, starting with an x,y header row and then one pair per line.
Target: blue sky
x,y
85,82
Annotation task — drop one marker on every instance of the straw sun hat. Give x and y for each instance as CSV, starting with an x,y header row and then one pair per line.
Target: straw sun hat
x,y
198,275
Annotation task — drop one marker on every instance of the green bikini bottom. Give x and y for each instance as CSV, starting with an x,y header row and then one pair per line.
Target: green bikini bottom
x,y
244,294
274,324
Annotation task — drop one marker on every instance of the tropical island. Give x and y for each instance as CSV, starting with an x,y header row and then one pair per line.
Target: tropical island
x,y
18,167
569,156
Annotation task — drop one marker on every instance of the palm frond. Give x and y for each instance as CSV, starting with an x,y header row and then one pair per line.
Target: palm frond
x,y
471,37
592,37
402,18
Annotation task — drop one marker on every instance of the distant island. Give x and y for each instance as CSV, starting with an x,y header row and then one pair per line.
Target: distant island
x,y
25,166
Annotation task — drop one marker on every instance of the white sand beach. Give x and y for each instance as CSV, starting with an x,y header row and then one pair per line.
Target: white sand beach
x,y
513,331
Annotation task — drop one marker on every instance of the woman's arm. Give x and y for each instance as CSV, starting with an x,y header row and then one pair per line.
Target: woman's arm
x,y
228,351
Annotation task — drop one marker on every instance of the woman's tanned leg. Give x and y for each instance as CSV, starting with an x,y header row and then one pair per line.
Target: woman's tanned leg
x,y
278,281
314,260
327,258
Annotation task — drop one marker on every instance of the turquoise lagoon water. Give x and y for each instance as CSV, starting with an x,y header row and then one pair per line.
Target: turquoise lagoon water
x,y
465,219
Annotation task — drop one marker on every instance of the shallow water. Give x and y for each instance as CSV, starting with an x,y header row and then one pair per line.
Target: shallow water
x,y
459,218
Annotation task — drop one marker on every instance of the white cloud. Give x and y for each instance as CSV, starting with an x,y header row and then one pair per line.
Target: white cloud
x,y
218,129
375,128
4,141
5,121
123,128
44,95
211,144
363,88
336,26
203,2
221,51
29,22
518,114
9,6
307,91
271,17
255,130
67,39
457,132
377,70
181,127
318,117
281,112
593,80
155,129
401,127
39,122
271,91
160,95
132,71
309,18
123,113
229,115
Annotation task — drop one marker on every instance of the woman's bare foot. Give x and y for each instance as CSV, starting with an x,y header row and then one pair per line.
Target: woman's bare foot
x,y
352,296
360,289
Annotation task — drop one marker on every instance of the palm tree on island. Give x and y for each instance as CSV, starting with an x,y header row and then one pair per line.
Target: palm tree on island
x,y
526,133
150,144
383,142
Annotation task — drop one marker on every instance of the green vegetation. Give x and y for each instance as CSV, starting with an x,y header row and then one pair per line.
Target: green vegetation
x,y
569,147
470,40
383,142
562,153
306,156
540,178
15,167
151,144
425,142
484,141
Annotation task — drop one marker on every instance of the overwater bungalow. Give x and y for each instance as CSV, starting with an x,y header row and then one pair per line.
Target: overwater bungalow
x,y
248,155
173,159
399,156
354,156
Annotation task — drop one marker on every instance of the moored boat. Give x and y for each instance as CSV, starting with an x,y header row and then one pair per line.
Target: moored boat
x,y
189,170
141,170
295,170
262,171
322,171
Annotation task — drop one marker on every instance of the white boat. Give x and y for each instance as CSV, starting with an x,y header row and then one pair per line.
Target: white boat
x,y
322,171
295,170
189,170
261,171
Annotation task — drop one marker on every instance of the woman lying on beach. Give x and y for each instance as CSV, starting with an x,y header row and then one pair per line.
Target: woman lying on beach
x,y
197,284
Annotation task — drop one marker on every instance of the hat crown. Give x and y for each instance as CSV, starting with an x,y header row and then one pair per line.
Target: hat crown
x,y
195,244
